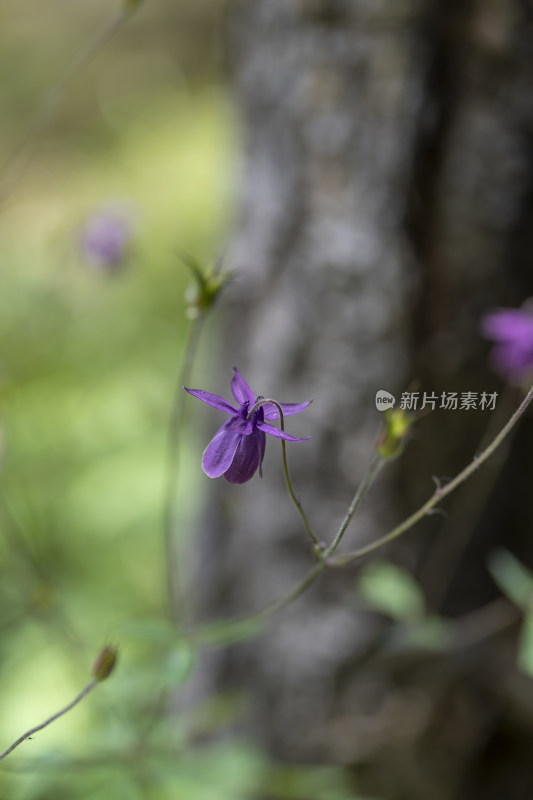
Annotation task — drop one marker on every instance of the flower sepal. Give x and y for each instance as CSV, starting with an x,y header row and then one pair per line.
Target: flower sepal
x,y
208,282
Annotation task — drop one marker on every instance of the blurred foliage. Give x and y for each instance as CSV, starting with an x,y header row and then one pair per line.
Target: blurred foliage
x,y
392,591
513,578
516,582
88,364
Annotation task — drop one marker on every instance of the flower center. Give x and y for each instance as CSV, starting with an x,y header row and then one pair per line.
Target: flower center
x,y
252,414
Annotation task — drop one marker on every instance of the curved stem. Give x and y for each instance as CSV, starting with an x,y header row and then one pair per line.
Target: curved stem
x,y
264,401
439,494
446,549
362,489
90,686
294,594
209,633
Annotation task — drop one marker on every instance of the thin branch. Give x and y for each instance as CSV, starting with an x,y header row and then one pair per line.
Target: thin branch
x,y
439,494
362,489
446,549
90,686
294,594
205,634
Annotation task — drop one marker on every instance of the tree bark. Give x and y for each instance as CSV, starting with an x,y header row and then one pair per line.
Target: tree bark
x,y
386,203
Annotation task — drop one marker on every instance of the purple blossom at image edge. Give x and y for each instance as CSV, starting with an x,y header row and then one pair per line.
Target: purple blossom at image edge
x,y
238,447
511,329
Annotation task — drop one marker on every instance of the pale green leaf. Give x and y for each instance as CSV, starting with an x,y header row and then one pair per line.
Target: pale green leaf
x,y
512,577
525,647
392,591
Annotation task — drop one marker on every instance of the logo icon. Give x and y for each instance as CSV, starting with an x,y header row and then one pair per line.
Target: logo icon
x,y
384,400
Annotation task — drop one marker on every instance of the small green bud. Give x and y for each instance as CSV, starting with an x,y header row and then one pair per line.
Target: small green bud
x,y
207,285
318,550
394,432
104,664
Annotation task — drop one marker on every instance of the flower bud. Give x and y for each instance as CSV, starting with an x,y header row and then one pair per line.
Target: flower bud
x,y
104,664
394,432
208,283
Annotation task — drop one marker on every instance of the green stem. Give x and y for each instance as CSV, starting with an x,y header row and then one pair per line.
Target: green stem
x,y
294,594
313,574
261,402
176,422
90,686
203,636
439,494
340,561
446,549
362,489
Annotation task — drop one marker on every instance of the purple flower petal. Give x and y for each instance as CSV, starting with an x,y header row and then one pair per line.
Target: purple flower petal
x,y
512,330
105,238
262,446
508,325
248,457
221,449
241,391
213,400
270,429
271,412
511,360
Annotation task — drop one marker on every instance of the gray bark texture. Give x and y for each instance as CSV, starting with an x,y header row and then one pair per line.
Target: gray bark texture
x,y
387,185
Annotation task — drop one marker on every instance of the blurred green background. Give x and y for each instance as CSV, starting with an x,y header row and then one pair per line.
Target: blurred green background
x,y
88,365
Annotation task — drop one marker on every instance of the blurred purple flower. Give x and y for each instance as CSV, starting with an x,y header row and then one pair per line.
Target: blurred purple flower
x,y
105,238
238,447
512,331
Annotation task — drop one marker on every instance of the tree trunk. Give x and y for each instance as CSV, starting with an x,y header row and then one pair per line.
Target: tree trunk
x,y
386,204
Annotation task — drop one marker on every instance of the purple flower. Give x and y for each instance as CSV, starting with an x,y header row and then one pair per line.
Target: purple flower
x,y
512,331
105,237
238,447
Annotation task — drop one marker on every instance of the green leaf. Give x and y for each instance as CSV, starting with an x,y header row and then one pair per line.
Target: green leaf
x,y
392,591
525,646
512,577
